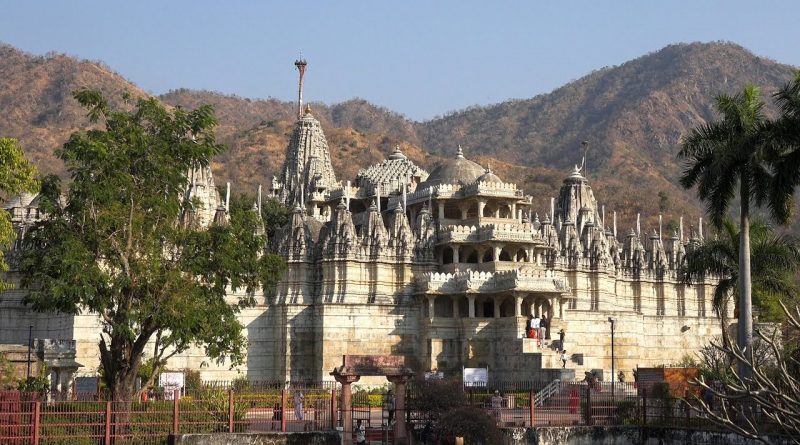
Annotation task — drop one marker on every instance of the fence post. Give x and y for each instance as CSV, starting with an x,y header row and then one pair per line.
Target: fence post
x,y
108,423
176,397
589,405
37,411
283,410
230,410
532,406
334,410
644,406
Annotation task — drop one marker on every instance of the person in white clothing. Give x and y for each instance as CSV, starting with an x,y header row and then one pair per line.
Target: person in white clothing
x,y
535,323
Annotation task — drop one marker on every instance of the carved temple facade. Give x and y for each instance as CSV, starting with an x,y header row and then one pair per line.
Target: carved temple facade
x,y
441,267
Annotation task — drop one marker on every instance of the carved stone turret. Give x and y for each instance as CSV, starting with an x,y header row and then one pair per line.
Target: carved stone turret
x,y
341,235
401,238
307,169
373,234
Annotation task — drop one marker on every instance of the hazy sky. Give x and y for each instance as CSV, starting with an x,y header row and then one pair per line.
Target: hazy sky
x,y
420,58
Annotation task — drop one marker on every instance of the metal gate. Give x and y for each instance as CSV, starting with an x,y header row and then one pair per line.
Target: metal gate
x,y
373,410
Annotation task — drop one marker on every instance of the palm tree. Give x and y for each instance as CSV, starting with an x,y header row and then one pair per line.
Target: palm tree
x,y
725,154
774,261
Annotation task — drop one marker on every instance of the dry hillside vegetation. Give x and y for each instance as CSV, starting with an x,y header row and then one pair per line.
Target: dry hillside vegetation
x,y
633,115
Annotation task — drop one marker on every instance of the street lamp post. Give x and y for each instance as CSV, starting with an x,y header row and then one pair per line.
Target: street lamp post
x,y
30,344
613,373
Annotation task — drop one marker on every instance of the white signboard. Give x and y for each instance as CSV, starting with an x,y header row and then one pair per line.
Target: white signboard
x,y
476,376
170,381
434,375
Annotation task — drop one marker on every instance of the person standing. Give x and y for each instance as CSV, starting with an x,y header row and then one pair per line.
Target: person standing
x,y
535,327
497,403
561,334
542,329
563,359
298,405
529,327
361,433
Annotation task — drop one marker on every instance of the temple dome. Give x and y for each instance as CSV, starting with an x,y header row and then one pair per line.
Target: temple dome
x,y
488,176
458,170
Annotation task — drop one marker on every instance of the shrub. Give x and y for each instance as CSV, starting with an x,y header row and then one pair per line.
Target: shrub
x,y
473,424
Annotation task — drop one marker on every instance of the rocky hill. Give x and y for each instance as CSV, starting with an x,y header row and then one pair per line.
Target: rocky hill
x,y
633,115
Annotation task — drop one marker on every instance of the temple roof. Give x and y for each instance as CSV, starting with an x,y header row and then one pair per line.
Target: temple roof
x,y
394,170
458,170
489,176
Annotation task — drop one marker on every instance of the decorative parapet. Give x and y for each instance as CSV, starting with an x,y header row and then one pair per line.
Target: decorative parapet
x,y
498,189
491,282
437,191
490,232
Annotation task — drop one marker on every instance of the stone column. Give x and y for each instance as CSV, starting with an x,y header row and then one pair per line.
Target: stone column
x,y
347,402
480,251
517,306
455,248
496,307
464,211
513,210
441,209
481,205
471,305
496,253
399,382
431,305
456,313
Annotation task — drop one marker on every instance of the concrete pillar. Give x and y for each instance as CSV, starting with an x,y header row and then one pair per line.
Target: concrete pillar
x,y
347,403
517,306
471,305
399,381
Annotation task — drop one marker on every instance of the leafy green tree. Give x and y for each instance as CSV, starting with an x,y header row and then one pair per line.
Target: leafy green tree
x,y
774,260
118,249
727,155
16,175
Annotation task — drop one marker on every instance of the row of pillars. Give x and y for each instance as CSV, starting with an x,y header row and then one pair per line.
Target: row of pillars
x,y
464,208
496,251
538,307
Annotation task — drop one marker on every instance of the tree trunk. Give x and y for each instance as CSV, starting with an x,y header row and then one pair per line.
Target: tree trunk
x,y
745,325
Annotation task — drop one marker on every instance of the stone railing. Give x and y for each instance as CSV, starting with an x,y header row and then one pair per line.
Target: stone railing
x,y
498,189
490,232
490,282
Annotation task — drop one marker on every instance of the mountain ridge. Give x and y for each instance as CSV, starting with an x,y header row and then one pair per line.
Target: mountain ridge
x,y
633,115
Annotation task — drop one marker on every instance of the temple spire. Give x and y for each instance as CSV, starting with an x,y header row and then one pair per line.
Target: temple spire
x,y
300,64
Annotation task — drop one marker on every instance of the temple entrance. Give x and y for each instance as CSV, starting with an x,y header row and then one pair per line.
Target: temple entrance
x,y
388,422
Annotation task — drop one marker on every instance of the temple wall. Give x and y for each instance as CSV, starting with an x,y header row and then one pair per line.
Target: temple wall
x,y
379,329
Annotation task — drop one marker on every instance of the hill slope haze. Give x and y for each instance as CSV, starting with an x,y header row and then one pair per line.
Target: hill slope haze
x,y
633,115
